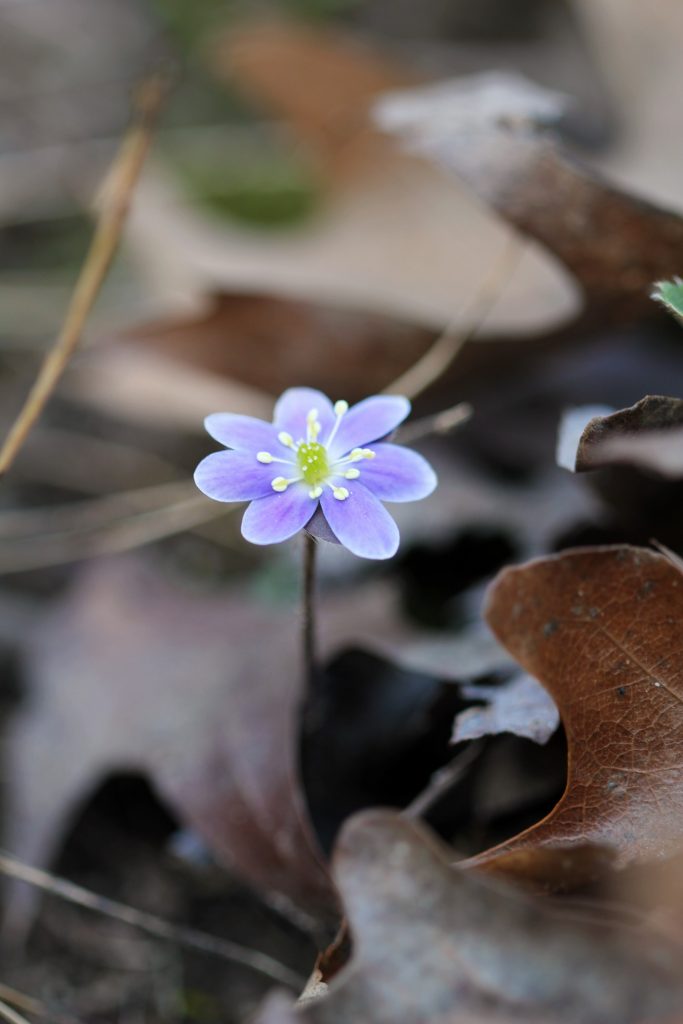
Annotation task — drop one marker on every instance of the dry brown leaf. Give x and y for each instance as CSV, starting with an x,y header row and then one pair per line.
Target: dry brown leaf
x,y
554,870
396,235
648,434
436,944
613,244
601,628
273,343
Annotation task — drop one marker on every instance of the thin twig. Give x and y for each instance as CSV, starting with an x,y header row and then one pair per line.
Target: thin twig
x,y
442,780
10,1015
18,999
115,202
190,938
35,1007
668,553
449,343
440,423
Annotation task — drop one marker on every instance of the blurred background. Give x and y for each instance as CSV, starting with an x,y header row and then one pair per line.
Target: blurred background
x,y
279,237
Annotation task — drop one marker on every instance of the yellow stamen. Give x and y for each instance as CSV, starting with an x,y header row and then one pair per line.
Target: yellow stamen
x,y
357,454
286,439
315,492
352,474
312,425
340,409
280,484
340,493
264,457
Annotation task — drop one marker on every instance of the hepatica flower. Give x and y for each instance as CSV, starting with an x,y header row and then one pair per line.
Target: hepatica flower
x,y
319,467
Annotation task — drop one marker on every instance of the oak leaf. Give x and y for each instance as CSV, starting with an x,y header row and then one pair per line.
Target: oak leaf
x,y
601,628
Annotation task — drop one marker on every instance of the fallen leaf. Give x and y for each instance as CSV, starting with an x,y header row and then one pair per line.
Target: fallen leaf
x,y
201,692
131,672
520,705
142,386
271,343
600,627
648,434
556,870
353,252
654,890
439,944
614,244
127,673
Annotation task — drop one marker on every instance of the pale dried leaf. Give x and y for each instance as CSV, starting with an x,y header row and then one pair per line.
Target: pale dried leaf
x,y
436,943
520,706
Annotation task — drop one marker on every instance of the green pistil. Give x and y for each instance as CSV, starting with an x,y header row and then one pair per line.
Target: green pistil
x,y
312,460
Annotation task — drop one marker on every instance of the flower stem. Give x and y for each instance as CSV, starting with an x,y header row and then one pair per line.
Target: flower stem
x,y
309,612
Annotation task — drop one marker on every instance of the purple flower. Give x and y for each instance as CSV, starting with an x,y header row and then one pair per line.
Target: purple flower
x,y
311,468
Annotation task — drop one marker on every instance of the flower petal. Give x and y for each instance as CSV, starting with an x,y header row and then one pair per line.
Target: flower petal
x,y
294,405
397,474
361,523
245,433
279,516
368,421
234,476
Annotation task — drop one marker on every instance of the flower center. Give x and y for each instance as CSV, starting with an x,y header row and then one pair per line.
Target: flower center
x,y
312,458
313,463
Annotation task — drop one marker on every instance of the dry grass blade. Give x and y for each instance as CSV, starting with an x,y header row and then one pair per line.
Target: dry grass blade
x,y
115,202
440,423
121,466
190,938
450,342
442,781
35,1007
8,1014
37,538
668,553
